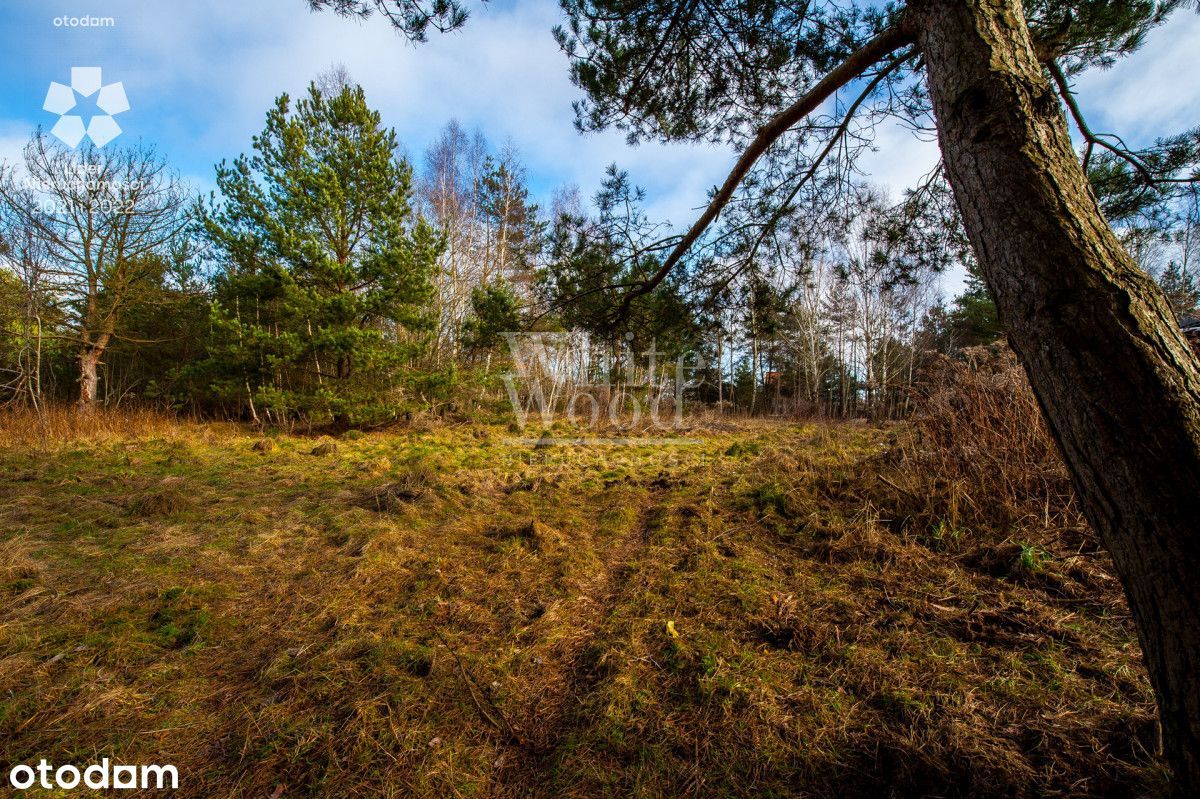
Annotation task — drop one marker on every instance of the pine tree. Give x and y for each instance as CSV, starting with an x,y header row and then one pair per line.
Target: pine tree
x,y
592,258
514,232
972,319
325,272
1180,287
495,310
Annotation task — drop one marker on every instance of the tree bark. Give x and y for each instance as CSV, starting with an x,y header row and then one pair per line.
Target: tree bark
x,y
89,360
1117,382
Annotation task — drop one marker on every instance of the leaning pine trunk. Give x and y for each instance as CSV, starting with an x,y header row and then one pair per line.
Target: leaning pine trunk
x,y
1117,382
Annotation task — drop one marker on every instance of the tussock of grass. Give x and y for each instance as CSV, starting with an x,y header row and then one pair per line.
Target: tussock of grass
x,y
167,499
443,613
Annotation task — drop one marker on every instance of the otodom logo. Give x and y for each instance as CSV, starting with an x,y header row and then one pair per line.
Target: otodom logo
x,y
75,102
101,776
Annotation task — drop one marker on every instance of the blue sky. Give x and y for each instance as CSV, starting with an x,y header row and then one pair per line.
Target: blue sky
x,y
201,75
200,78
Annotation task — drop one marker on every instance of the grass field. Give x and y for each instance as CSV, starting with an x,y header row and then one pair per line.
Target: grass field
x,y
448,613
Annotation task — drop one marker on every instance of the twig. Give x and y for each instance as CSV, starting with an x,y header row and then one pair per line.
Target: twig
x,y
473,690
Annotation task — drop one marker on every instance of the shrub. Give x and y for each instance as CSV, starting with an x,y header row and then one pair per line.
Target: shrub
x,y
980,453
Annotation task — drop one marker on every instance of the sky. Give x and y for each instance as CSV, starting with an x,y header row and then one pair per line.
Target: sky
x,y
200,76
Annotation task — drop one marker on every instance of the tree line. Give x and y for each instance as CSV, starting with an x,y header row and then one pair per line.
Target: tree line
x,y
328,281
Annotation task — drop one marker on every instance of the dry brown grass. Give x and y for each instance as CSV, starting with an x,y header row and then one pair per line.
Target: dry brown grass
x,y
448,613
977,478
979,428
53,426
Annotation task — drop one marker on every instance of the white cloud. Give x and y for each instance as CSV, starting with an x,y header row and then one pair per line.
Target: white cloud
x,y
1154,92
503,73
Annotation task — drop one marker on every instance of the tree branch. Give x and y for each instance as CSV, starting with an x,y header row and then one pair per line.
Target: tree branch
x,y
783,209
873,51
1094,139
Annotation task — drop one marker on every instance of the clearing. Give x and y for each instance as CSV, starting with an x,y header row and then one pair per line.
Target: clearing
x,y
447,613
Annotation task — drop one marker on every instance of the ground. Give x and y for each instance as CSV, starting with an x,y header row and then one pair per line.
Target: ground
x,y
451,612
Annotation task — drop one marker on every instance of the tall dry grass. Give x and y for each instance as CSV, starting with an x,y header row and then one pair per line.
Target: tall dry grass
x,y
980,452
52,426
